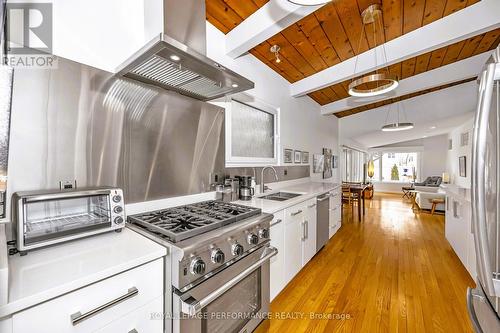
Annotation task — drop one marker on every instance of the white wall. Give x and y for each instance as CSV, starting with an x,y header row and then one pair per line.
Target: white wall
x,y
302,125
457,151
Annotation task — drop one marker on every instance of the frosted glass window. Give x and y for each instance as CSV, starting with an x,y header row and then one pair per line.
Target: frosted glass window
x,y
252,132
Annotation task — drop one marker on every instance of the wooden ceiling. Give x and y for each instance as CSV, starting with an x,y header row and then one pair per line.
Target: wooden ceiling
x,y
420,64
397,99
332,34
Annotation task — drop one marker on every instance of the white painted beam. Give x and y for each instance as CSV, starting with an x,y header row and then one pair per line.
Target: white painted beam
x,y
453,72
476,19
266,22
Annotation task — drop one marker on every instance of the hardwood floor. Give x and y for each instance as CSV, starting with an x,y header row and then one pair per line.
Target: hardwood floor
x,y
393,272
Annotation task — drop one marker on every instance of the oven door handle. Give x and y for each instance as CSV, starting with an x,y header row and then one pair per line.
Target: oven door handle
x,y
191,306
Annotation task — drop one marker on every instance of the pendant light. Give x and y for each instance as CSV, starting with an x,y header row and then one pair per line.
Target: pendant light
x,y
309,2
398,125
380,82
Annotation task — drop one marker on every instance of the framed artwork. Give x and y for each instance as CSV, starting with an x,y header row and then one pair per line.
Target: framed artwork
x,y
287,155
305,157
327,171
462,169
335,161
297,156
318,163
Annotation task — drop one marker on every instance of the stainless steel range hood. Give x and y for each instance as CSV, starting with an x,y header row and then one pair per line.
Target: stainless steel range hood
x,y
176,59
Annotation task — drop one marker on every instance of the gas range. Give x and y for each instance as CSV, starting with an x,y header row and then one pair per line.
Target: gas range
x,y
205,237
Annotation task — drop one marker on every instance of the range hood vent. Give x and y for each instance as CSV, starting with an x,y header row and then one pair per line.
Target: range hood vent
x,y
175,60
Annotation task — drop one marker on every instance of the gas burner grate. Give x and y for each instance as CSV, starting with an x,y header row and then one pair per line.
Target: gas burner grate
x,y
182,222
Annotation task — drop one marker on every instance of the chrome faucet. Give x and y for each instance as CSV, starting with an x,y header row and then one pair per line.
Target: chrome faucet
x,y
263,187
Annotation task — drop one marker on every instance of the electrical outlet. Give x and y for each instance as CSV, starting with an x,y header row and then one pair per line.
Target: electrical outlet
x,y
67,184
285,172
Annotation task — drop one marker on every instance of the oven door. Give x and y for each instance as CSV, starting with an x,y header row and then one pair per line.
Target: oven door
x,y
233,300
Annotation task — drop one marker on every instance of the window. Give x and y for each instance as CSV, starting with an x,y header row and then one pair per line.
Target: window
x,y
397,167
353,165
251,133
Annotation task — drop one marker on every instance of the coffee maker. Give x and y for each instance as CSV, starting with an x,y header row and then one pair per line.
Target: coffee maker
x,y
247,187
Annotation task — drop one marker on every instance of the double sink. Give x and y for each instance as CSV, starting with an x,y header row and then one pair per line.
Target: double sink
x,y
280,196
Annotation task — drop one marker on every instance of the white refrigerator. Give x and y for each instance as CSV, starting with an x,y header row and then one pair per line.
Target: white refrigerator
x,y
483,302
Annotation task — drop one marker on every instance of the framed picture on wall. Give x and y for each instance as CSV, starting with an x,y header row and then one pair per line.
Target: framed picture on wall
x,y
305,157
335,161
287,155
462,168
318,163
297,156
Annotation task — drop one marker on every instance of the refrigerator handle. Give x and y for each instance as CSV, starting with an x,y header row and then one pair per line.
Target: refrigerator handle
x,y
472,311
485,271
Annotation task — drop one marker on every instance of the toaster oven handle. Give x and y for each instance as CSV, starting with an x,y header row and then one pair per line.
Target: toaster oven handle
x,y
194,306
78,317
62,194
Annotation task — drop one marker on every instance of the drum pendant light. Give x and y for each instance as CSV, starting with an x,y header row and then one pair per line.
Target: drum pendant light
x,y
398,125
379,82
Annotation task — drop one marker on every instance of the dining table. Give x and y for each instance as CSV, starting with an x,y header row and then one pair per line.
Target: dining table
x,y
359,189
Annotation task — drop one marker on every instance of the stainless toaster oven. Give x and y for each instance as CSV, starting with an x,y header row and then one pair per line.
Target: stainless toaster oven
x,y
43,218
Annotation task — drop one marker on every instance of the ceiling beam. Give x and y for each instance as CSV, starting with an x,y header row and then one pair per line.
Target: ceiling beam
x,y
375,105
473,20
266,22
453,72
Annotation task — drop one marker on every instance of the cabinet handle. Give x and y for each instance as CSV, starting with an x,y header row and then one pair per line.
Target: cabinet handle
x,y
296,213
311,206
304,231
307,229
278,221
326,197
78,317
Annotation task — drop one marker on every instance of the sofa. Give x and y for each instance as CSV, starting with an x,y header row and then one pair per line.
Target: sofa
x,y
426,193
433,181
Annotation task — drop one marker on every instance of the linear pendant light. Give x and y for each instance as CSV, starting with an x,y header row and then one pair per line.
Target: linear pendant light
x,y
378,83
309,2
398,125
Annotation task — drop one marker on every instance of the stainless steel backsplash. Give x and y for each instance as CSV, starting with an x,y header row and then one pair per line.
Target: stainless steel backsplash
x,y
80,123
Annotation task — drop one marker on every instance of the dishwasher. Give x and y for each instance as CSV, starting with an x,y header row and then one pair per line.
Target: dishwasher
x,y
323,223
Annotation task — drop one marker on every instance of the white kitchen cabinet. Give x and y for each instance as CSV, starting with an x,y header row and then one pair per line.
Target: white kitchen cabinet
x,y
277,270
335,213
458,232
309,234
294,230
137,287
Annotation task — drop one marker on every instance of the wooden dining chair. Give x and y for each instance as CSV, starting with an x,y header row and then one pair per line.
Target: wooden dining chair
x,y
348,196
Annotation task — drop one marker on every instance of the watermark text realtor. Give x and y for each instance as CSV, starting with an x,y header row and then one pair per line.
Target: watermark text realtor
x,y
29,35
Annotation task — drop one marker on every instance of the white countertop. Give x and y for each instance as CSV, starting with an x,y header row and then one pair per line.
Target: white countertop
x,y
48,273
307,190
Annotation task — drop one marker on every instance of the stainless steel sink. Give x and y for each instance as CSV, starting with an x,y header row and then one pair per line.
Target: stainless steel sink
x,y
280,196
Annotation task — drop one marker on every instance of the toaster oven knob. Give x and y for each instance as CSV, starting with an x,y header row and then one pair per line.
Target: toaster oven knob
x,y
252,239
197,266
237,249
264,233
118,220
217,256
118,209
117,198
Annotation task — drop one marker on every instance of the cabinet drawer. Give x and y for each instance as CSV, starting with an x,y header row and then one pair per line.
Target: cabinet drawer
x,y
114,297
141,320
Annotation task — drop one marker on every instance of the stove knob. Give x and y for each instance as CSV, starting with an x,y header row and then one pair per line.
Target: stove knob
x,y
237,249
197,266
252,239
118,209
264,233
217,256
117,198
118,220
